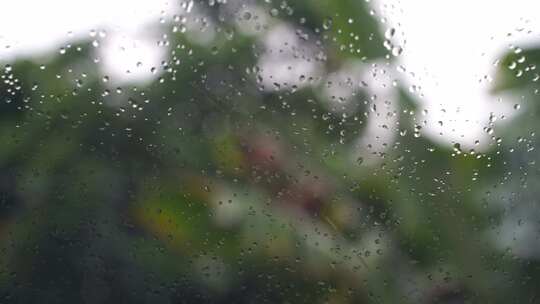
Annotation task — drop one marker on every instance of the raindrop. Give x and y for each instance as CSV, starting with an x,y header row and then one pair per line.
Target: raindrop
x,y
397,50
327,23
389,33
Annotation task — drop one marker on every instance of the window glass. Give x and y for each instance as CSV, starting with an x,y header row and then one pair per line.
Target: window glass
x,y
269,151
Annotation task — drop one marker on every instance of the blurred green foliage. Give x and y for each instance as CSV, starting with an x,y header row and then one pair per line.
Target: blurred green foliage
x,y
205,185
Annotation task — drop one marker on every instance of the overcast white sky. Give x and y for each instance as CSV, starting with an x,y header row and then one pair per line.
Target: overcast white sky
x,y
34,26
449,46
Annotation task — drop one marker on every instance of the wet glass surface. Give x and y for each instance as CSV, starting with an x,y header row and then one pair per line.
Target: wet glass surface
x,y
225,151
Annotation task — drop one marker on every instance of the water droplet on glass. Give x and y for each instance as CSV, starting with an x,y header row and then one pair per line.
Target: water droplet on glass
x,y
389,33
397,50
327,23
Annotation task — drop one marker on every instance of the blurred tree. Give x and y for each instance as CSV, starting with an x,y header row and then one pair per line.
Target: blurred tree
x,y
225,180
